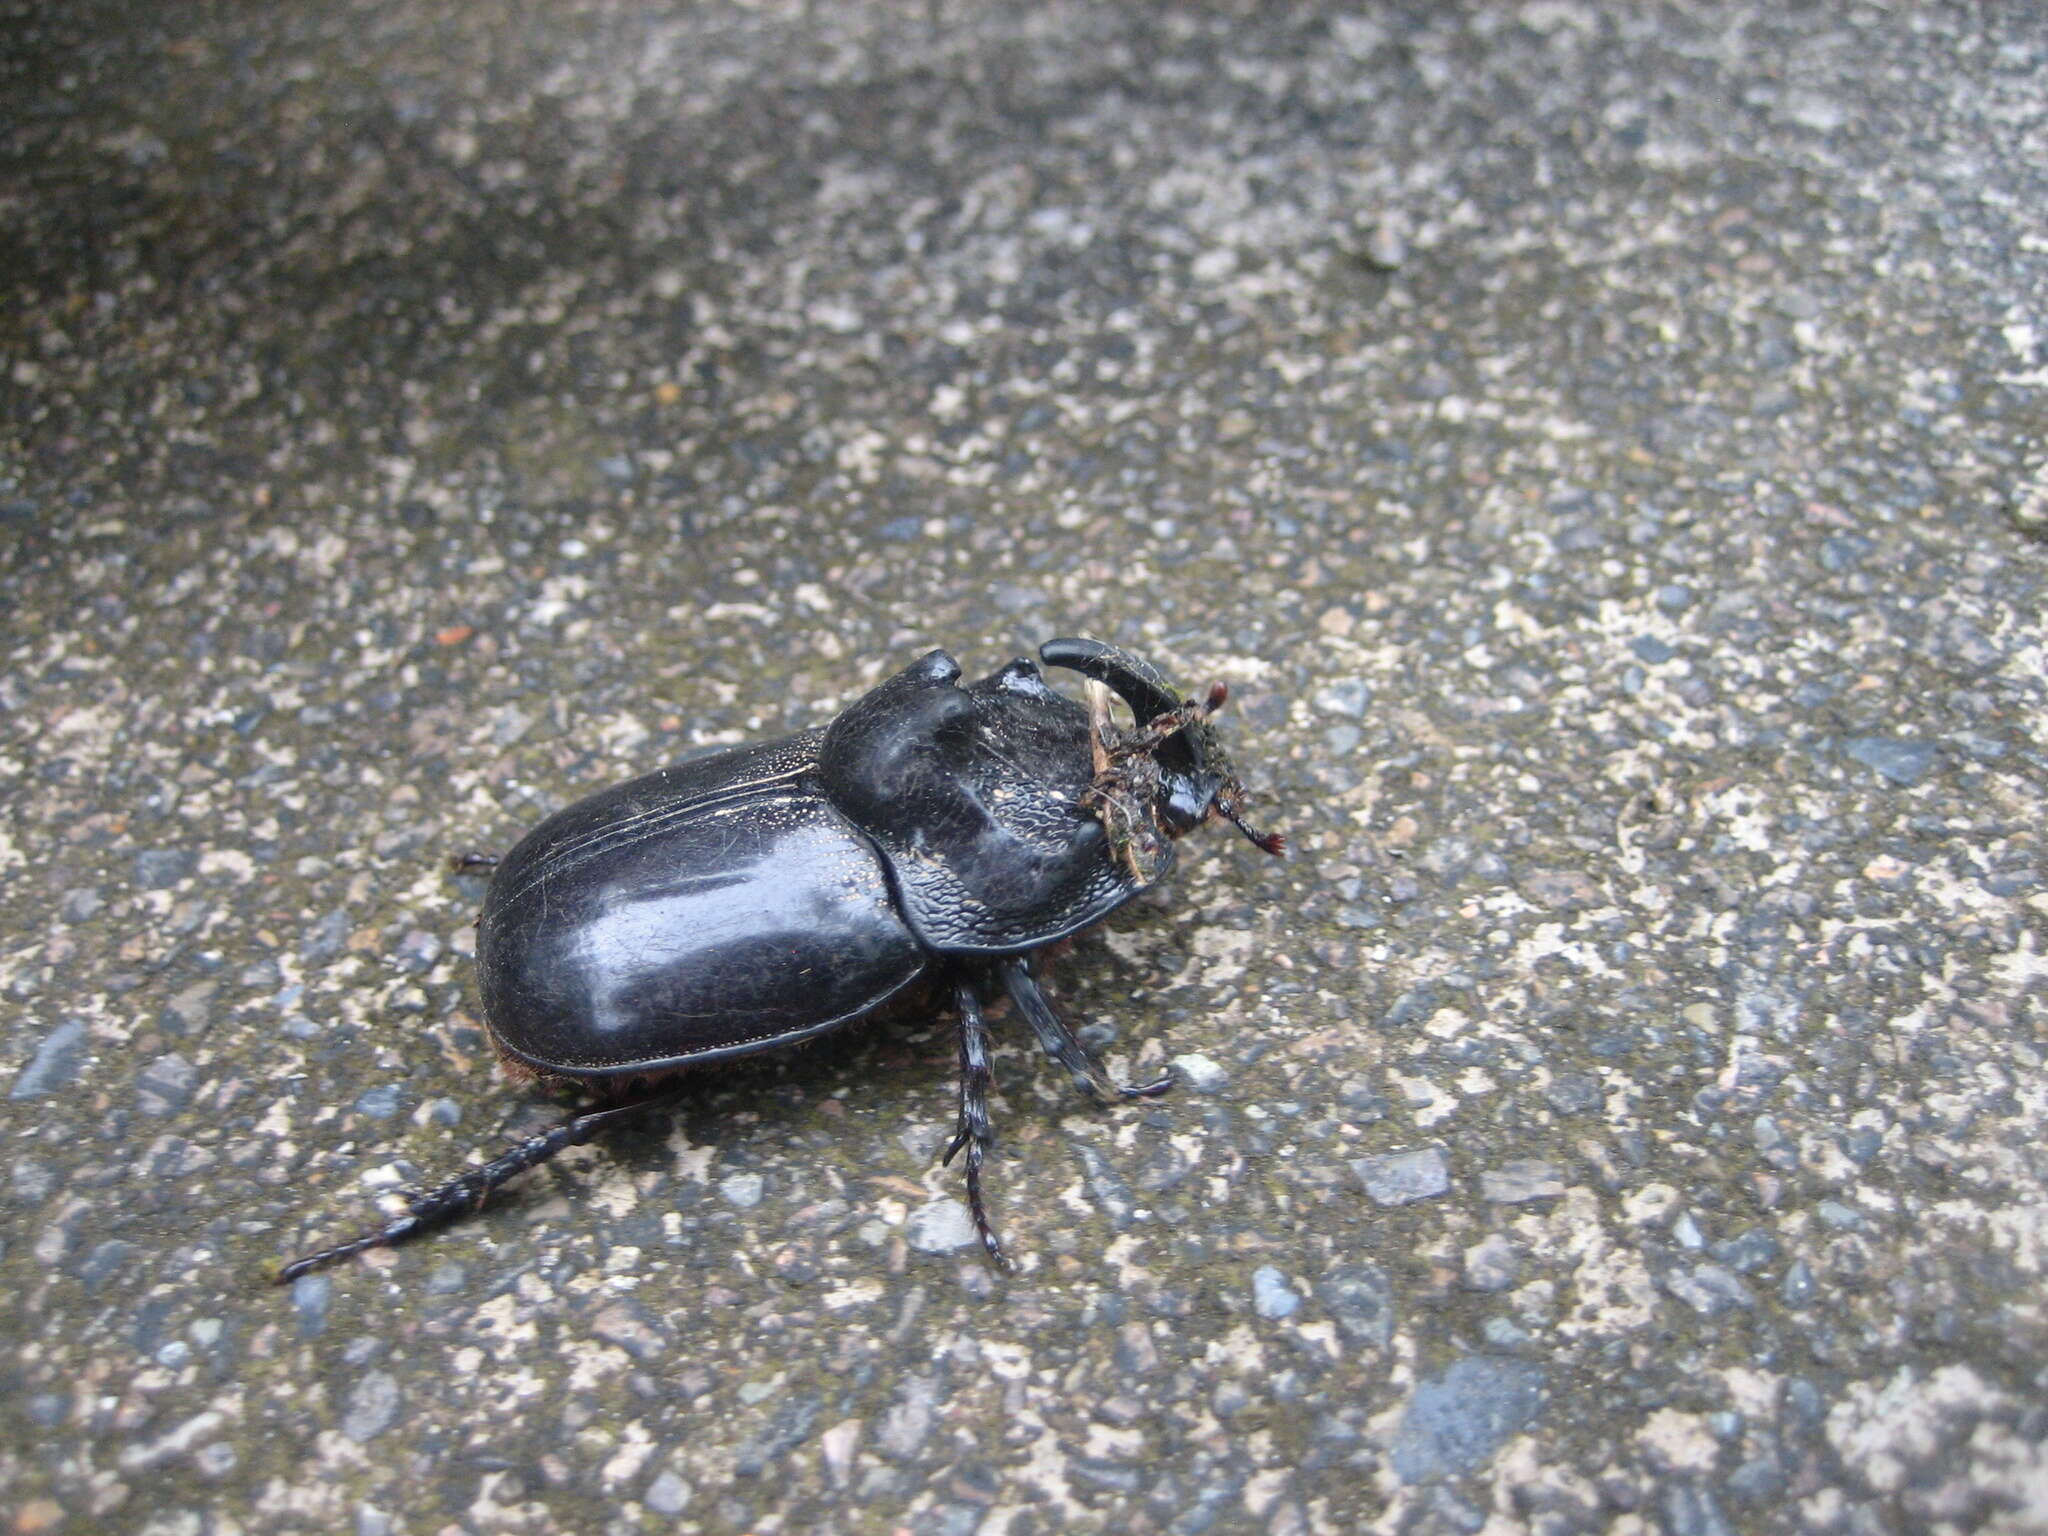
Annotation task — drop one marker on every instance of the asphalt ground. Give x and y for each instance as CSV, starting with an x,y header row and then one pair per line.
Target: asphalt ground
x,y
1603,448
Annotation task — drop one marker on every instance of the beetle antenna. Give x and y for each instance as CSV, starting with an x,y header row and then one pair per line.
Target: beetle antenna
x,y
468,1192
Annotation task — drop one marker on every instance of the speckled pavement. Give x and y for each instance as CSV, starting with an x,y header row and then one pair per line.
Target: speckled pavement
x,y
1605,449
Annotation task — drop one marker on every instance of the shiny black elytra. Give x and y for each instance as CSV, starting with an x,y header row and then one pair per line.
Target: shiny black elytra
x,y
761,896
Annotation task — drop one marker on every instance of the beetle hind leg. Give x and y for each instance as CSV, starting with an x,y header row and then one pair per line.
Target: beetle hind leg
x,y
1060,1042
976,1130
468,1191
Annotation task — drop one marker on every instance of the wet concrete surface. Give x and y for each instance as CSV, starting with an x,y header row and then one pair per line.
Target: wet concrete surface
x,y
1602,448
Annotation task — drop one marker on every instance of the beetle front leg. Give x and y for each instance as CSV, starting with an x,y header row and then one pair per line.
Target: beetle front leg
x,y
976,1130
1060,1042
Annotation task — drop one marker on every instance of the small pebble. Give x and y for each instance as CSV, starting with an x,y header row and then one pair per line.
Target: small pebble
x,y
940,1226
1492,1264
1352,696
1797,1288
158,868
1386,248
1270,1294
742,1189
1402,1178
1201,1073
379,1103
1519,1182
1899,762
372,1406
668,1494
310,1296
55,1063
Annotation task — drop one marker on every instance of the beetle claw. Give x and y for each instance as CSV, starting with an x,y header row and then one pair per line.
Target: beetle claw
x,y
989,1242
1151,1090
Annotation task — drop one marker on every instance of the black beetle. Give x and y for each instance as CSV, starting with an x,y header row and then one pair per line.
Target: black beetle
x,y
761,896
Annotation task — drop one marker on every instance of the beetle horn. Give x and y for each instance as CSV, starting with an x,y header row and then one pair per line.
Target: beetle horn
x,y
1198,781
1136,681
1191,758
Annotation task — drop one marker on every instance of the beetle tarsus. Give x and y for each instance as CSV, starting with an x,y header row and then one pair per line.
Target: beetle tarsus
x,y
472,863
1151,1090
468,1191
989,1242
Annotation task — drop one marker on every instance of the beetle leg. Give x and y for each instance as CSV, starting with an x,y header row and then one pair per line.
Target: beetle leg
x,y
473,863
1060,1042
467,1192
1152,732
976,1130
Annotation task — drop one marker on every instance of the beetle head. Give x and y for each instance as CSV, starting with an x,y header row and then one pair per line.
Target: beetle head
x,y
1193,779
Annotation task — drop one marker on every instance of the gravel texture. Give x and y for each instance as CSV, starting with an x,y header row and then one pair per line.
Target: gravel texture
x,y
1604,449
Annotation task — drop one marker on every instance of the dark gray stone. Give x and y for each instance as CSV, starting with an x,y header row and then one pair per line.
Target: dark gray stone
x,y
1843,1218
1675,597
909,1420
1709,1289
1360,1300
1692,1510
667,1494
379,1103
1798,1287
1352,696
105,1261
55,1063
1747,1251
1492,1264
1572,1093
1459,1419
1402,1178
372,1406
165,1084
158,868
1111,1194
1521,1182
417,951
324,939
1411,1008
789,1426
1271,1295
1845,551
311,1297
1757,1481
1900,762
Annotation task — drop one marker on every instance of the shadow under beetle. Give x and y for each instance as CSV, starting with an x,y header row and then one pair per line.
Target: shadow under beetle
x,y
930,835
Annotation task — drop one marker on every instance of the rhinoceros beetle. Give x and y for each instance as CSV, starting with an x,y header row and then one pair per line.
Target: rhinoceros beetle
x,y
931,836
